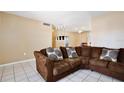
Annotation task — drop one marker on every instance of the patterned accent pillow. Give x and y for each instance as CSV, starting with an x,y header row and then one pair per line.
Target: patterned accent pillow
x,y
71,52
54,54
109,55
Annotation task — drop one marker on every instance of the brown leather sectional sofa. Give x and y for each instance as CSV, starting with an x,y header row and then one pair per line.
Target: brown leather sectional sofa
x,y
88,59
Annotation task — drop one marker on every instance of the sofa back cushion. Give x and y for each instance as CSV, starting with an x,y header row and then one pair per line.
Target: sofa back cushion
x,y
78,50
121,55
64,52
96,52
43,51
86,51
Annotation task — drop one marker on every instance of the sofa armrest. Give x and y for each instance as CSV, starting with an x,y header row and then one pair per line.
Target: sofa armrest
x,y
44,66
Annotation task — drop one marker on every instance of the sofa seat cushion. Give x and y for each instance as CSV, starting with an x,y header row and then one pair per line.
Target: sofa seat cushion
x,y
60,67
97,62
74,62
116,67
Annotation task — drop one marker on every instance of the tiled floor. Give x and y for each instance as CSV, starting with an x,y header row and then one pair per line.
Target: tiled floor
x,y
26,72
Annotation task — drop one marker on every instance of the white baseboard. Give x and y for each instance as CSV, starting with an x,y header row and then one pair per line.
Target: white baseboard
x,y
16,62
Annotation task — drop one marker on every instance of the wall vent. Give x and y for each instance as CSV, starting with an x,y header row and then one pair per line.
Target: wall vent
x,y
46,24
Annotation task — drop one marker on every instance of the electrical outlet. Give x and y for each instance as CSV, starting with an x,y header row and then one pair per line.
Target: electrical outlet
x,y
24,53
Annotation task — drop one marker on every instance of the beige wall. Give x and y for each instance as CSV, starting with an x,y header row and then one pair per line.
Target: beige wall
x,y
108,30
19,35
84,37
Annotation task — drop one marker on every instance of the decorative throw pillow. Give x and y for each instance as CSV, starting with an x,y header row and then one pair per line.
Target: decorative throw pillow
x,y
109,55
54,54
71,52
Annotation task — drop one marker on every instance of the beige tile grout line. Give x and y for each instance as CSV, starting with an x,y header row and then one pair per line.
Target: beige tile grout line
x,y
77,73
112,79
35,71
32,67
85,77
95,77
99,78
25,72
72,76
2,73
14,73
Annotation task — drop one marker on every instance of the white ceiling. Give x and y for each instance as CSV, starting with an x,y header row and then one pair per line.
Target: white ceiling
x,y
71,20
